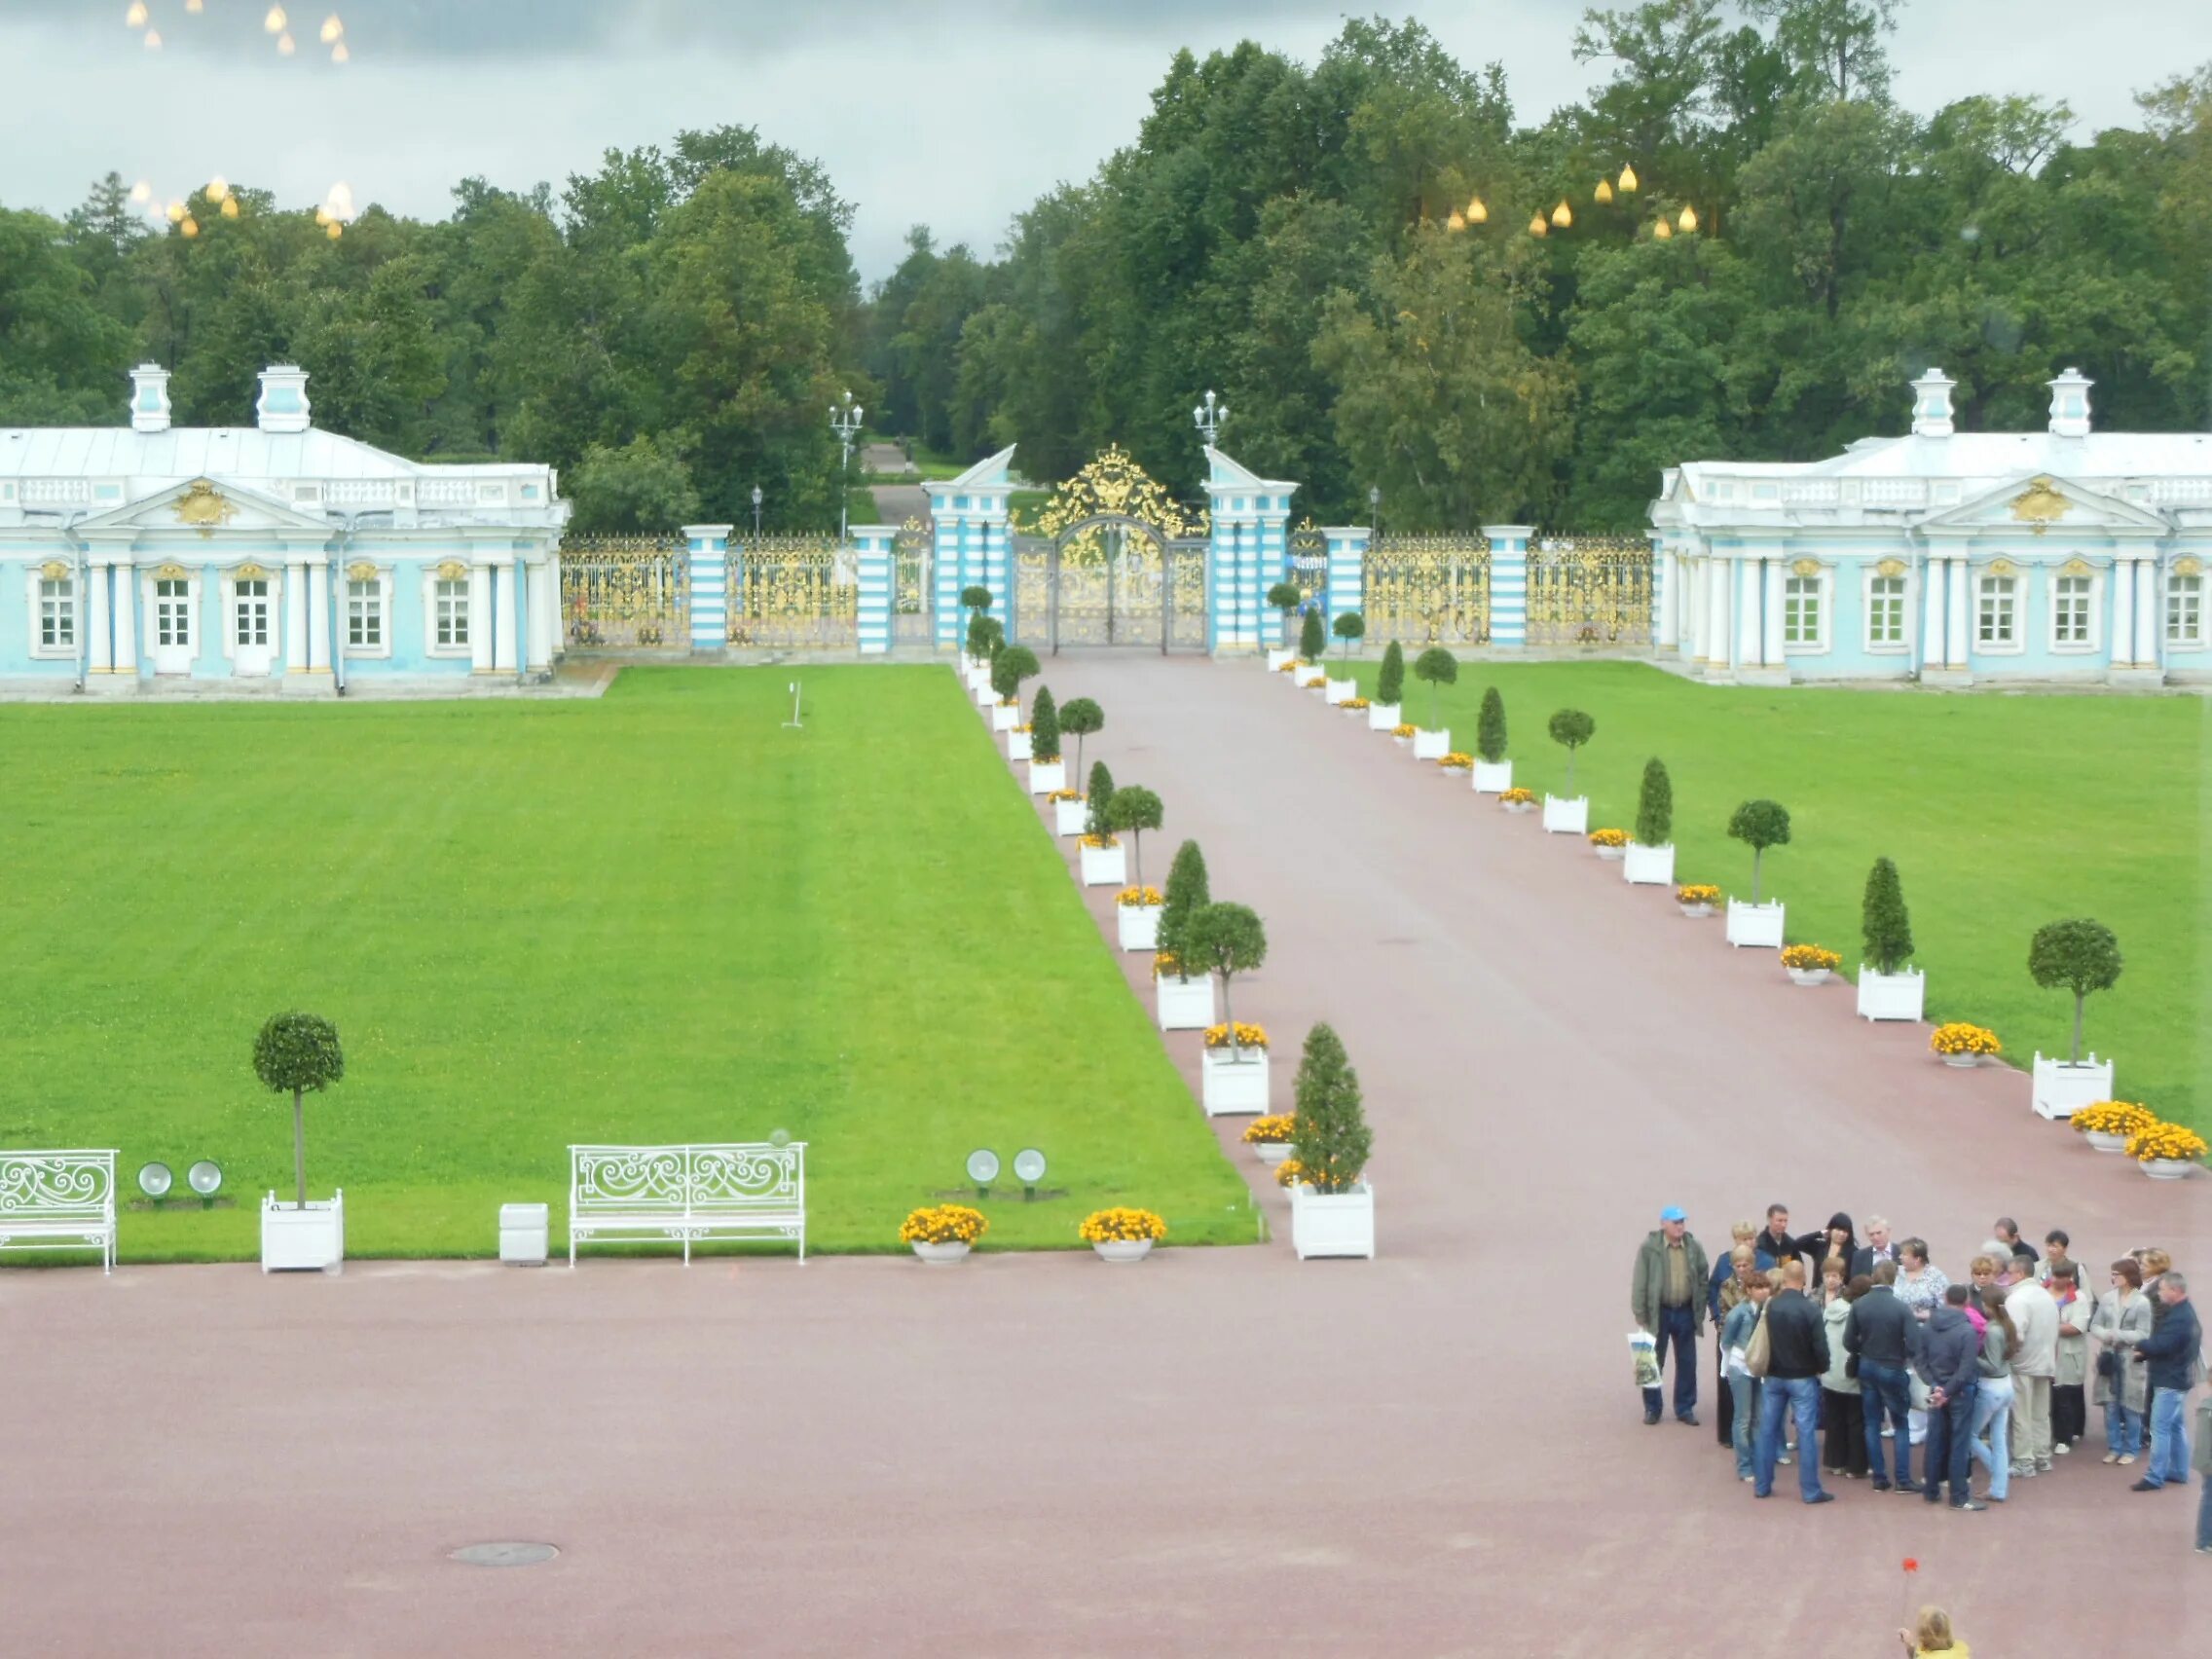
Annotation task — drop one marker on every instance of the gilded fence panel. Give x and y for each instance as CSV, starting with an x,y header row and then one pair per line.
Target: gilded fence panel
x,y
626,592
1428,590
912,618
794,593
1590,590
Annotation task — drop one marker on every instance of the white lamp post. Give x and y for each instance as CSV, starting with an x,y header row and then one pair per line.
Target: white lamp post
x,y
845,422
1209,418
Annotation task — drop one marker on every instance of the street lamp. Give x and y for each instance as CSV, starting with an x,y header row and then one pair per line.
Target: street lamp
x,y
1209,418
756,512
1375,509
844,421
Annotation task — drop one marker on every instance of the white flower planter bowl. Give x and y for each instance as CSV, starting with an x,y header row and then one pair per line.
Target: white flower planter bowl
x,y
1432,745
2167,1168
1383,716
311,1239
1961,1062
2102,1142
1518,807
1070,817
1271,1153
1693,911
1234,1087
1122,1249
1892,996
1335,1224
1138,926
1758,926
1649,867
1807,976
940,1255
1045,776
1184,1004
2063,1089
1567,817
1493,777
1104,867
1611,854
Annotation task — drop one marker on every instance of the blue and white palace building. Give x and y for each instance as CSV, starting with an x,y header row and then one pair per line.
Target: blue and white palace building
x,y
275,556
1945,557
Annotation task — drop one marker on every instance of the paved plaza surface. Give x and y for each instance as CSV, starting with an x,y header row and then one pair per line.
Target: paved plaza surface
x,y
1216,1451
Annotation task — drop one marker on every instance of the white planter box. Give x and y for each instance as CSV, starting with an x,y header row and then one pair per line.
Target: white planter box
x,y
1276,659
1185,1005
1891,996
1758,925
1070,817
523,1231
1381,716
1105,866
1233,1086
1018,745
1340,692
1045,776
1311,674
1005,716
1649,867
1432,745
985,697
1139,926
1493,780
2062,1090
1338,1224
1563,816
312,1239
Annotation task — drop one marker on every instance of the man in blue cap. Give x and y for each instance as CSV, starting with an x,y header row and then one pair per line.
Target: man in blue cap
x,y
1665,1299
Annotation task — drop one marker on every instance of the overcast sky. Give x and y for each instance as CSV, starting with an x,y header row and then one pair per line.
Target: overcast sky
x,y
952,111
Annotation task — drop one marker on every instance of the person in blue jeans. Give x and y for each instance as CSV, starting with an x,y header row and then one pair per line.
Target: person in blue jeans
x,y
1880,1331
1946,1355
1797,1357
1667,1297
1743,1386
2170,1353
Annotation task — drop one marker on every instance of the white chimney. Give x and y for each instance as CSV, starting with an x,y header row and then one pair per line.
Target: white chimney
x,y
2070,405
149,398
283,404
1931,405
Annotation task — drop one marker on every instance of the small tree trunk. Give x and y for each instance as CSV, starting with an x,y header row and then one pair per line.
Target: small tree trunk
x,y
1228,1017
1570,774
2079,1000
1136,854
1758,853
299,1152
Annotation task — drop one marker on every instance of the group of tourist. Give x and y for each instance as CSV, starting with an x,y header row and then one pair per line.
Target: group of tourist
x,y
1860,1350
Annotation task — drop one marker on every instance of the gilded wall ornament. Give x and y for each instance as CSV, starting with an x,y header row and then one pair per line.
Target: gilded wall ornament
x,y
205,508
2040,505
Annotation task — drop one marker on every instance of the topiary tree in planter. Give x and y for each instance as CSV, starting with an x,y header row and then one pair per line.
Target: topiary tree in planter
x,y
1655,805
1225,939
1313,644
1043,726
986,636
1098,798
1436,667
298,1052
1331,1140
1286,598
1010,666
1082,717
1490,728
1759,825
1187,893
1390,682
2078,956
1132,811
975,599
1571,729
1351,626
1883,923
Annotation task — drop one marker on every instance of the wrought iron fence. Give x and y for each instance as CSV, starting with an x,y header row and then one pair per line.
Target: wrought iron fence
x,y
1590,590
794,593
1428,590
625,592
912,618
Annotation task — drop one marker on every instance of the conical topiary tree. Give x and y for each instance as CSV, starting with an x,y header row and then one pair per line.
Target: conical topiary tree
x,y
1043,726
1134,809
1099,791
1435,667
1759,825
298,1052
2078,956
1313,643
1082,717
1330,1138
1188,892
1286,598
1390,682
1883,921
1227,939
1349,627
1655,806
1010,666
1490,728
1571,729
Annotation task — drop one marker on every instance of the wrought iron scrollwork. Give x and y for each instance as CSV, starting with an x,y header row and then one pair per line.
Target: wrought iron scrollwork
x,y
794,593
1590,590
626,592
1428,590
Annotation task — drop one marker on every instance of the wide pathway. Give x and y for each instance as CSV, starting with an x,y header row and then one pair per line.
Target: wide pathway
x,y
1219,1451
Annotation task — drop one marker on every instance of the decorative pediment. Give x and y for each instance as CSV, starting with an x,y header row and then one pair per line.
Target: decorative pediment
x,y
2041,503
2040,506
212,508
1889,568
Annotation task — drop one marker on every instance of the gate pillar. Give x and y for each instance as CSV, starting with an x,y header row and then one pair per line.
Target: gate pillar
x,y
708,545
1509,583
972,546
1249,552
1348,570
877,572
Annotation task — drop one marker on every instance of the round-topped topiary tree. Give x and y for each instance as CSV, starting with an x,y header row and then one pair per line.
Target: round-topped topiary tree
x,y
1759,825
1082,716
986,636
1571,729
1132,811
1225,940
975,599
1286,598
1390,681
1435,667
1351,626
298,1053
2081,956
1010,666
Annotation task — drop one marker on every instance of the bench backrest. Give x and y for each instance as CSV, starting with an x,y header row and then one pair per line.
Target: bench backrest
x,y
58,1186
732,1180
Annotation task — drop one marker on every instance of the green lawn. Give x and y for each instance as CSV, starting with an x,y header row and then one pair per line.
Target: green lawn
x,y
2002,811
654,918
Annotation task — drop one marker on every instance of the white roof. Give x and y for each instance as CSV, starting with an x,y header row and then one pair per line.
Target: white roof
x,y
1993,457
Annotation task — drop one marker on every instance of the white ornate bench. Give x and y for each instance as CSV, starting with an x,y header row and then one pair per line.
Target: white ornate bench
x,y
687,1192
58,1201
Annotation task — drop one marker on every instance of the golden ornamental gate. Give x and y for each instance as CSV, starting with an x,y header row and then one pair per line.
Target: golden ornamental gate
x,y
1428,590
626,592
795,593
1110,560
1590,590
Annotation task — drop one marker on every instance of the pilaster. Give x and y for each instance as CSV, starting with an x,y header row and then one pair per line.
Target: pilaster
x,y
708,547
875,560
1509,583
1247,552
480,618
972,545
124,659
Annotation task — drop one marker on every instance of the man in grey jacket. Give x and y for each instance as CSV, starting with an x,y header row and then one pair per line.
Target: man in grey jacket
x,y
1944,1350
1667,1297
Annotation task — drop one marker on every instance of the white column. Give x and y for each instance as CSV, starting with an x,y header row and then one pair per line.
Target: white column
x,y
508,624
126,619
1934,628
1669,569
2149,612
318,617
2119,615
1771,652
1955,647
1717,583
1693,608
543,604
480,618
96,622
1750,614
296,617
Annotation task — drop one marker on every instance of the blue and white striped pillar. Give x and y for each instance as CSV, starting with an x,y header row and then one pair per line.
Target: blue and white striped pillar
x,y
1249,550
1509,583
1346,546
874,559
709,585
971,547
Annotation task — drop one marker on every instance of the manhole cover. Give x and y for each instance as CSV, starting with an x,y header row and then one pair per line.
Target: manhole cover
x,y
505,1555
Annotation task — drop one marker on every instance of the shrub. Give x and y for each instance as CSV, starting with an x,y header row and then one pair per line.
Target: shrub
x,y
986,635
975,599
1571,728
2078,956
1134,809
1436,667
1082,716
1227,939
1490,728
1010,666
1043,726
1101,797
1655,805
1390,684
1333,1139
1286,598
1883,922
1312,641
299,1052
1349,627
1759,825
1187,894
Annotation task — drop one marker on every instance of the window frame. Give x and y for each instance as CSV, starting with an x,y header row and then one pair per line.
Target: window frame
x,y
1901,645
464,650
72,603
1824,600
1983,582
2092,612
382,579
2168,605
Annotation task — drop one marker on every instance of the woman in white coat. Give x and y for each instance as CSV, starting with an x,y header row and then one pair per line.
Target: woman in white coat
x,y
2122,1387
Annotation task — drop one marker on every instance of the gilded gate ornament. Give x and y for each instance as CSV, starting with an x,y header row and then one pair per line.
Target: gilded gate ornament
x,y
1111,559
1427,589
794,593
622,592
1590,590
